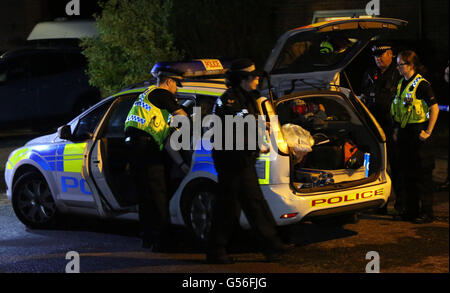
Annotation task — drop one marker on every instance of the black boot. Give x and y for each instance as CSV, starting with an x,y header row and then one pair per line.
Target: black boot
x,y
424,219
219,257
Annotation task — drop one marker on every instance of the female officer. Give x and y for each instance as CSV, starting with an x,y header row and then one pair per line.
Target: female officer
x,y
415,112
238,182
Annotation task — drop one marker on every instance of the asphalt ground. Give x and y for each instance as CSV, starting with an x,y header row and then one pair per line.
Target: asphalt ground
x,y
114,245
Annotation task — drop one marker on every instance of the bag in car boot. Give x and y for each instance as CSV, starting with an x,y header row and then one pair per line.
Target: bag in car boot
x,y
343,155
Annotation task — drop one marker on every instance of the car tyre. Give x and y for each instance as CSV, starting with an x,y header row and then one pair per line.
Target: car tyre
x,y
33,202
197,212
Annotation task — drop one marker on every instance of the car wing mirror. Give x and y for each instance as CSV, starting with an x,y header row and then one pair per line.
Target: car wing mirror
x,y
65,132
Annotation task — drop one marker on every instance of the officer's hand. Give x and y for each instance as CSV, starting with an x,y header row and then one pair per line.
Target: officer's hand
x,y
395,135
264,148
362,97
423,135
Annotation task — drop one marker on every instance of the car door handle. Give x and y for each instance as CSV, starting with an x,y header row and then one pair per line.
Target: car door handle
x,y
96,162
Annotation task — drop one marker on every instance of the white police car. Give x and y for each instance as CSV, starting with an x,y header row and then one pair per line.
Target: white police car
x,y
82,169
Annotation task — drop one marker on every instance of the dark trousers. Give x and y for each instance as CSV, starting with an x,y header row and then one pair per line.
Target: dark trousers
x,y
416,164
147,168
239,188
392,157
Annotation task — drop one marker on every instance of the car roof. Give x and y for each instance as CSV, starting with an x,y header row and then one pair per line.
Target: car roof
x,y
28,51
213,87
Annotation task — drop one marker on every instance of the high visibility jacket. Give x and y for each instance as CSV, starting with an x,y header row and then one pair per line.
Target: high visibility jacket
x,y
406,108
149,118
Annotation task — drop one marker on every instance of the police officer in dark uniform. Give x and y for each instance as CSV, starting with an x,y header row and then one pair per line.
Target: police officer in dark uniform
x,y
238,181
146,130
377,91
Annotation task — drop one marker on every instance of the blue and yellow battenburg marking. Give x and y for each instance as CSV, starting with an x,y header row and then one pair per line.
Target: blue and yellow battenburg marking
x,y
204,162
58,157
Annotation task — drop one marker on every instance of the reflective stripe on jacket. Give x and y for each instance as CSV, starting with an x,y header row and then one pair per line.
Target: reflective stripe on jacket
x,y
406,108
149,118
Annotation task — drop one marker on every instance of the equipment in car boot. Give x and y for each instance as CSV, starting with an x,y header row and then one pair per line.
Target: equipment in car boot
x,y
312,178
341,154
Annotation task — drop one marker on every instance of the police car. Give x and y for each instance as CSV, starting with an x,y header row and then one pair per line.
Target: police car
x,y
83,168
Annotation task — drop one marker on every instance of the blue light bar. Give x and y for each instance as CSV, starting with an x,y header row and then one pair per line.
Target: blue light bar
x,y
194,68
443,108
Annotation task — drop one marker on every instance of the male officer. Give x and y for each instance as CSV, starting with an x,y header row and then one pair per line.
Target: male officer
x,y
146,129
377,91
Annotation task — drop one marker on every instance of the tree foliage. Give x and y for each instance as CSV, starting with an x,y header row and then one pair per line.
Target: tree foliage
x,y
133,35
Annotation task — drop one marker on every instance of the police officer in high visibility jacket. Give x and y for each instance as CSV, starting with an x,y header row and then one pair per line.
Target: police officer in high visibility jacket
x,y
146,130
238,181
379,85
415,112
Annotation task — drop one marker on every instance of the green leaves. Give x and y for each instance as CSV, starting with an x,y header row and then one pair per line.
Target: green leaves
x,y
133,36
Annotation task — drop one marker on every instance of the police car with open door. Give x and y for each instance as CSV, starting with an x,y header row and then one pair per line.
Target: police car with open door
x,y
82,169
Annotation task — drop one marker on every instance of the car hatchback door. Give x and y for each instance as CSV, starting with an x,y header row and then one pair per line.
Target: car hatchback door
x,y
310,57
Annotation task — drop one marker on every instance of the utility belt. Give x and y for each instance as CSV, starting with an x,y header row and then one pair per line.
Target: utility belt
x,y
137,137
129,140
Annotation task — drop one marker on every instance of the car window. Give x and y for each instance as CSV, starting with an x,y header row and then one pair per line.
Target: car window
x,y
88,123
302,111
75,61
116,120
309,52
206,103
44,64
14,69
187,102
3,72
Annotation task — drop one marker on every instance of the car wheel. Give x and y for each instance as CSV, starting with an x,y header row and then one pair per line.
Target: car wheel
x,y
198,213
33,202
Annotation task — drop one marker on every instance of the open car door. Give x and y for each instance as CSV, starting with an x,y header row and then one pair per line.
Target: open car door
x,y
107,160
106,164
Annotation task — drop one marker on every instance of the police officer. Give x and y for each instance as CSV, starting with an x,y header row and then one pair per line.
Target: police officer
x,y
378,90
238,182
415,112
146,130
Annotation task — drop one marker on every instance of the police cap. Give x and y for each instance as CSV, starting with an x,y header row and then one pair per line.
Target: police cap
x,y
379,49
168,72
245,67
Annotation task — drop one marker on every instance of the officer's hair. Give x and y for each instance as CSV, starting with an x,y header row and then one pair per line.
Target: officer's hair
x,y
161,80
411,58
234,78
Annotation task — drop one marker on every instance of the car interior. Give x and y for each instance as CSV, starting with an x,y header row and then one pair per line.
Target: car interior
x,y
340,141
114,149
